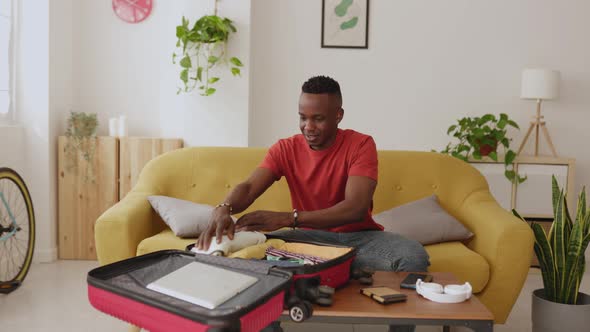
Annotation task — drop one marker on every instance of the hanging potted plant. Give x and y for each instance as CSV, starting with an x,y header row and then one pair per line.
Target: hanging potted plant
x,y
559,305
201,49
81,142
480,137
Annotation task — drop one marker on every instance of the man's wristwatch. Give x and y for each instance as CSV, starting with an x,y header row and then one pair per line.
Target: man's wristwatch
x,y
225,204
295,216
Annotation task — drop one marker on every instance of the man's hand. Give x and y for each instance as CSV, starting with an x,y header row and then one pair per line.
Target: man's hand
x,y
264,221
220,222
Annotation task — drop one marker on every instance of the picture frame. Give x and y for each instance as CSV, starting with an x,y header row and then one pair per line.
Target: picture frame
x,y
345,24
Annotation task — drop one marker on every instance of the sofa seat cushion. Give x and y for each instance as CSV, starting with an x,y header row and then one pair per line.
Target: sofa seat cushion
x,y
465,264
161,241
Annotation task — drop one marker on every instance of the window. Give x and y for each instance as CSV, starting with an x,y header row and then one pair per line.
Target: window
x,y
6,60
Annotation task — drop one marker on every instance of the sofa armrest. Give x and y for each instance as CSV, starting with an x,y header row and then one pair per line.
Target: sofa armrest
x,y
506,242
120,229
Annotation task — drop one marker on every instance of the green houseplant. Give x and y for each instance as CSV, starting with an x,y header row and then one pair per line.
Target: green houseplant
x,y
561,255
81,141
201,48
480,137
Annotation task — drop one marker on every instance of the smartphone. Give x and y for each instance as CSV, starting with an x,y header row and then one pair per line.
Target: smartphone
x,y
410,281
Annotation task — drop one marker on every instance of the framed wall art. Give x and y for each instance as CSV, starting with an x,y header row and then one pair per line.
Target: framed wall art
x,y
345,23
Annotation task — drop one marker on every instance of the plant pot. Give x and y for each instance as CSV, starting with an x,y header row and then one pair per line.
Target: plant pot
x,y
550,316
486,149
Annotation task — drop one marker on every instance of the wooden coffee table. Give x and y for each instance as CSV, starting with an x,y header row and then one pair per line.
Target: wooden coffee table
x,y
351,307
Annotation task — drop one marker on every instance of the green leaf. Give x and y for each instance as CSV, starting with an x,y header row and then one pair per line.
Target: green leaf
x,y
212,59
174,58
486,118
235,71
210,91
510,174
186,62
493,155
476,155
502,124
181,32
513,124
505,142
509,157
503,117
236,62
451,128
199,74
213,80
184,75
554,193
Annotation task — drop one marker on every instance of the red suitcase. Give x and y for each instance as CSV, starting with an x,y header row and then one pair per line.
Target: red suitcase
x,y
119,289
315,284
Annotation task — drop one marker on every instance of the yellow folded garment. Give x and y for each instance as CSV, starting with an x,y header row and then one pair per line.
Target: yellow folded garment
x,y
257,251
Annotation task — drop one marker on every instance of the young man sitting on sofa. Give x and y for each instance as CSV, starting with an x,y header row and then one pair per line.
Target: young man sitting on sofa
x,y
332,175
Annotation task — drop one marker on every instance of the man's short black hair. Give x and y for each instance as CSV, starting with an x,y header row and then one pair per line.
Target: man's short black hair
x,y
322,84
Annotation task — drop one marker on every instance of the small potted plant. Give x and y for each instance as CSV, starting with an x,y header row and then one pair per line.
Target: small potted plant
x,y
559,305
203,47
480,137
81,142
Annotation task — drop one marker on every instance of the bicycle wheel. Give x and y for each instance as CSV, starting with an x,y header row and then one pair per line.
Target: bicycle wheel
x,y
17,230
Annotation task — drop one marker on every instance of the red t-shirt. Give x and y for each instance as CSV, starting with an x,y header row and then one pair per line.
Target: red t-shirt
x,y
317,179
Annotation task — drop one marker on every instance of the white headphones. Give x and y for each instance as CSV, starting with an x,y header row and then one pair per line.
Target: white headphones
x,y
449,294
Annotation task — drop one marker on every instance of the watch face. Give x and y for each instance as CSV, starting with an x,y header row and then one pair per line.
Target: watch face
x,y
132,11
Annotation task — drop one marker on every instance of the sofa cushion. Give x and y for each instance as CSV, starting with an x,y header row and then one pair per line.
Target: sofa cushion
x,y
161,241
423,220
186,219
465,264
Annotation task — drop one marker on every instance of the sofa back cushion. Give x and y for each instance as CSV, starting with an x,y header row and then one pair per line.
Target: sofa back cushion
x,y
206,174
406,176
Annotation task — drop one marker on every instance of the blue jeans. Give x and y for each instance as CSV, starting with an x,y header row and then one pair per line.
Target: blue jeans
x,y
376,250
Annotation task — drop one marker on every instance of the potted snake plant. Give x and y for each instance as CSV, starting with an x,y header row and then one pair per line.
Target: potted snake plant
x,y
559,305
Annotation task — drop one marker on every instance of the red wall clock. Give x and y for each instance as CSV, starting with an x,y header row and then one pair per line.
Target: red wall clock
x,y
132,11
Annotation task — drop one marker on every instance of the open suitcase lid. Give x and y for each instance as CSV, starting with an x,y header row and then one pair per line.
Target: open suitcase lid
x,y
129,278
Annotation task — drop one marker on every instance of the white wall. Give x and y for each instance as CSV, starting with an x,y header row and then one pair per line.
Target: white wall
x,y
33,112
122,68
428,64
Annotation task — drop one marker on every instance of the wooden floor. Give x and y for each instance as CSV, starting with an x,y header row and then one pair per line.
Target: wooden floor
x,y
53,298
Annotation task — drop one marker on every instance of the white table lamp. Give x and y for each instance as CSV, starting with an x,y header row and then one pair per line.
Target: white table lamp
x,y
539,84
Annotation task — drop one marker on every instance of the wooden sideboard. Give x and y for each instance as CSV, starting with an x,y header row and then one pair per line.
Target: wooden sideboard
x,y
83,196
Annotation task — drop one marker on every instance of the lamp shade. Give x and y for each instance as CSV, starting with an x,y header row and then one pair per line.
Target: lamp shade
x,y
539,83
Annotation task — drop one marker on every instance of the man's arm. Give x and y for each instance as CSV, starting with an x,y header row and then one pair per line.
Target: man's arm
x,y
240,198
358,196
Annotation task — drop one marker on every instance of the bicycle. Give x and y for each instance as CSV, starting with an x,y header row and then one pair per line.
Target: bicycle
x,y
17,230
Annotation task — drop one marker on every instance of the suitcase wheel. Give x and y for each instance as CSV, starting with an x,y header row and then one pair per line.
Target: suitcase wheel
x,y
300,311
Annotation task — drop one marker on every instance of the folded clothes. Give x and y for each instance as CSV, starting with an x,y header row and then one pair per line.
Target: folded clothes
x,y
307,259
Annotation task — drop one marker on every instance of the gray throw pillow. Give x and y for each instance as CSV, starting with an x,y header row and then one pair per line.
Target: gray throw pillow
x,y
423,220
185,218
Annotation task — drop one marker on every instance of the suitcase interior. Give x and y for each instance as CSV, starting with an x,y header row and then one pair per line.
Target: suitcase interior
x,y
130,277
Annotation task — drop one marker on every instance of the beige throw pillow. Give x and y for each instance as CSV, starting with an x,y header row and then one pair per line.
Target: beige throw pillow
x,y
423,220
185,218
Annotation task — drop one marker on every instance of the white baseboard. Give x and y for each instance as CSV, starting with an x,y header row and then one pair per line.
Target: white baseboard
x,y
45,255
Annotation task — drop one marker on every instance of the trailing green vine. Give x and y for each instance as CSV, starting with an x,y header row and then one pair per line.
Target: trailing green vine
x,y
203,47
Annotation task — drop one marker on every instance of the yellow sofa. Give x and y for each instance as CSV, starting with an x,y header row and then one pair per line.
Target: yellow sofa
x,y
495,261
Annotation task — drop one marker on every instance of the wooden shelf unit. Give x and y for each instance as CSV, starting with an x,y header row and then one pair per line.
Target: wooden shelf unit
x,y
116,164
